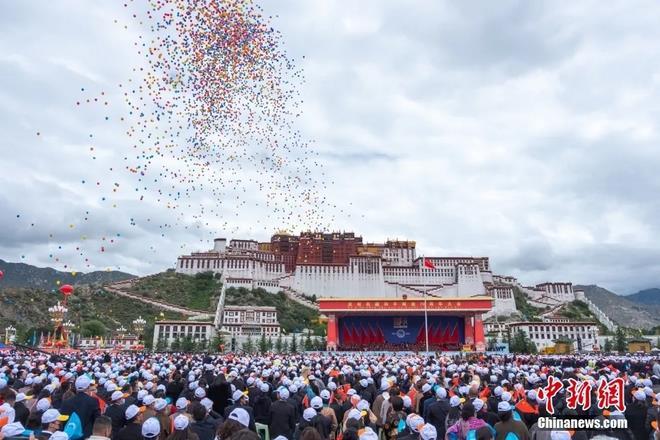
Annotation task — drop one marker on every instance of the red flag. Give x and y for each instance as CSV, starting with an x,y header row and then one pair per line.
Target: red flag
x,y
428,264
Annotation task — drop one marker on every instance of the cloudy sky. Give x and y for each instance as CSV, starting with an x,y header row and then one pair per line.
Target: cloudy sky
x,y
522,131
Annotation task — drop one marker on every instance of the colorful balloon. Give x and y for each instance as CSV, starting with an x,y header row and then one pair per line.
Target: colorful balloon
x,y
66,289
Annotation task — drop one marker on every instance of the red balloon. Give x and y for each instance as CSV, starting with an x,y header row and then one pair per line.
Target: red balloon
x,y
2,274
66,289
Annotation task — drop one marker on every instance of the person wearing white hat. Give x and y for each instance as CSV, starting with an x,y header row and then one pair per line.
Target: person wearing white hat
x,y
181,406
241,416
85,406
51,421
151,429
134,416
636,413
282,416
7,408
507,424
241,402
328,412
181,423
436,411
312,418
160,407
368,434
116,411
14,429
202,424
59,435
428,432
22,411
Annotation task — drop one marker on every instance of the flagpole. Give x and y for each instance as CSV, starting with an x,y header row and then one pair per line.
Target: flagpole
x,y
426,314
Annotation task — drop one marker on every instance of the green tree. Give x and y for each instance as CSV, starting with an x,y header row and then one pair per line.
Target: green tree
x,y
492,342
279,346
218,340
248,345
187,345
308,345
269,344
620,340
321,344
293,346
93,328
285,347
607,347
263,343
520,343
161,344
176,344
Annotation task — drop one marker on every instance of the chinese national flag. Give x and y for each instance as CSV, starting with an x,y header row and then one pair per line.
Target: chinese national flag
x,y
428,264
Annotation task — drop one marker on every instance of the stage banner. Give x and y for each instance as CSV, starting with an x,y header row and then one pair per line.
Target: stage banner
x,y
364,330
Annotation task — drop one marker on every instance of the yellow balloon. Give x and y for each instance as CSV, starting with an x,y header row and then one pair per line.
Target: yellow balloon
x,y
57,282
73,273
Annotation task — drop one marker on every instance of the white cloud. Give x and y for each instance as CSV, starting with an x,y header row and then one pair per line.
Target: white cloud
x,y
527,132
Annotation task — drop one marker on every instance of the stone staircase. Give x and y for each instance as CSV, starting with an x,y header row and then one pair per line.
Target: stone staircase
x,y
118,289
298,297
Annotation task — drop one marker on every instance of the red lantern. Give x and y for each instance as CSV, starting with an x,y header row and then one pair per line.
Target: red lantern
x,y
66,289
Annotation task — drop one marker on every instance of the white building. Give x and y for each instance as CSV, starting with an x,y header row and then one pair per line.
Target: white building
x,y
170,331
386,270
250,321
544,334
239,322
390,270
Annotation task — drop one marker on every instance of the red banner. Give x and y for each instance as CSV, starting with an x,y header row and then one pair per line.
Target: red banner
x,y
475,304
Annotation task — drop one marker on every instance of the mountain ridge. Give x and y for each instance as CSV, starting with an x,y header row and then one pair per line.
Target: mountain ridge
x,y
622,310
22,275
646,296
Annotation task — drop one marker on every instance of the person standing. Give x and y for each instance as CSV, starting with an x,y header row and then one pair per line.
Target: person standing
x,y
85,406
282,416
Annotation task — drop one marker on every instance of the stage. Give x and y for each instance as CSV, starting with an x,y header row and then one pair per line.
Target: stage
x,y
398,324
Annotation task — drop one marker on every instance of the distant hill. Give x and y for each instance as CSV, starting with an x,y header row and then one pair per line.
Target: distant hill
x,y
27,276
27,310
202,292
621,309
646,296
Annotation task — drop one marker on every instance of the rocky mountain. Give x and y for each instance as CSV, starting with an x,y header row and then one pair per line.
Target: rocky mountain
x,y
646,296
27,276
621,309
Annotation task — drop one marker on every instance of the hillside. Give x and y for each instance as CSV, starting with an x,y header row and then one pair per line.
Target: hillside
x,y
621,310
293,316
646,296
199,292
28,276
202,292
27,310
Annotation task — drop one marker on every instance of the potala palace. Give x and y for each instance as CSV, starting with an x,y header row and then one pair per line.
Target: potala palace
x,y
341,265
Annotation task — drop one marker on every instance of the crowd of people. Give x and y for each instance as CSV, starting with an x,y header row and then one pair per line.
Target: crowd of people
x,y
325,396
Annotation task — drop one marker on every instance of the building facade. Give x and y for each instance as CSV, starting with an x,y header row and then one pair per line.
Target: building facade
x,y
169,331
252,321
342,265
584,335
239,322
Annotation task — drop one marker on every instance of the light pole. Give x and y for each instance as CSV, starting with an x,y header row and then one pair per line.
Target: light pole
x,y
10,334
57,313
138,325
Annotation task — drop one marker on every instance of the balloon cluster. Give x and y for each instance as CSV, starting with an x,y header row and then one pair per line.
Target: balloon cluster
x,y
209,119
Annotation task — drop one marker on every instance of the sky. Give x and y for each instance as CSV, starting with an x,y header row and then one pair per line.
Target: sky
x,y
527,132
